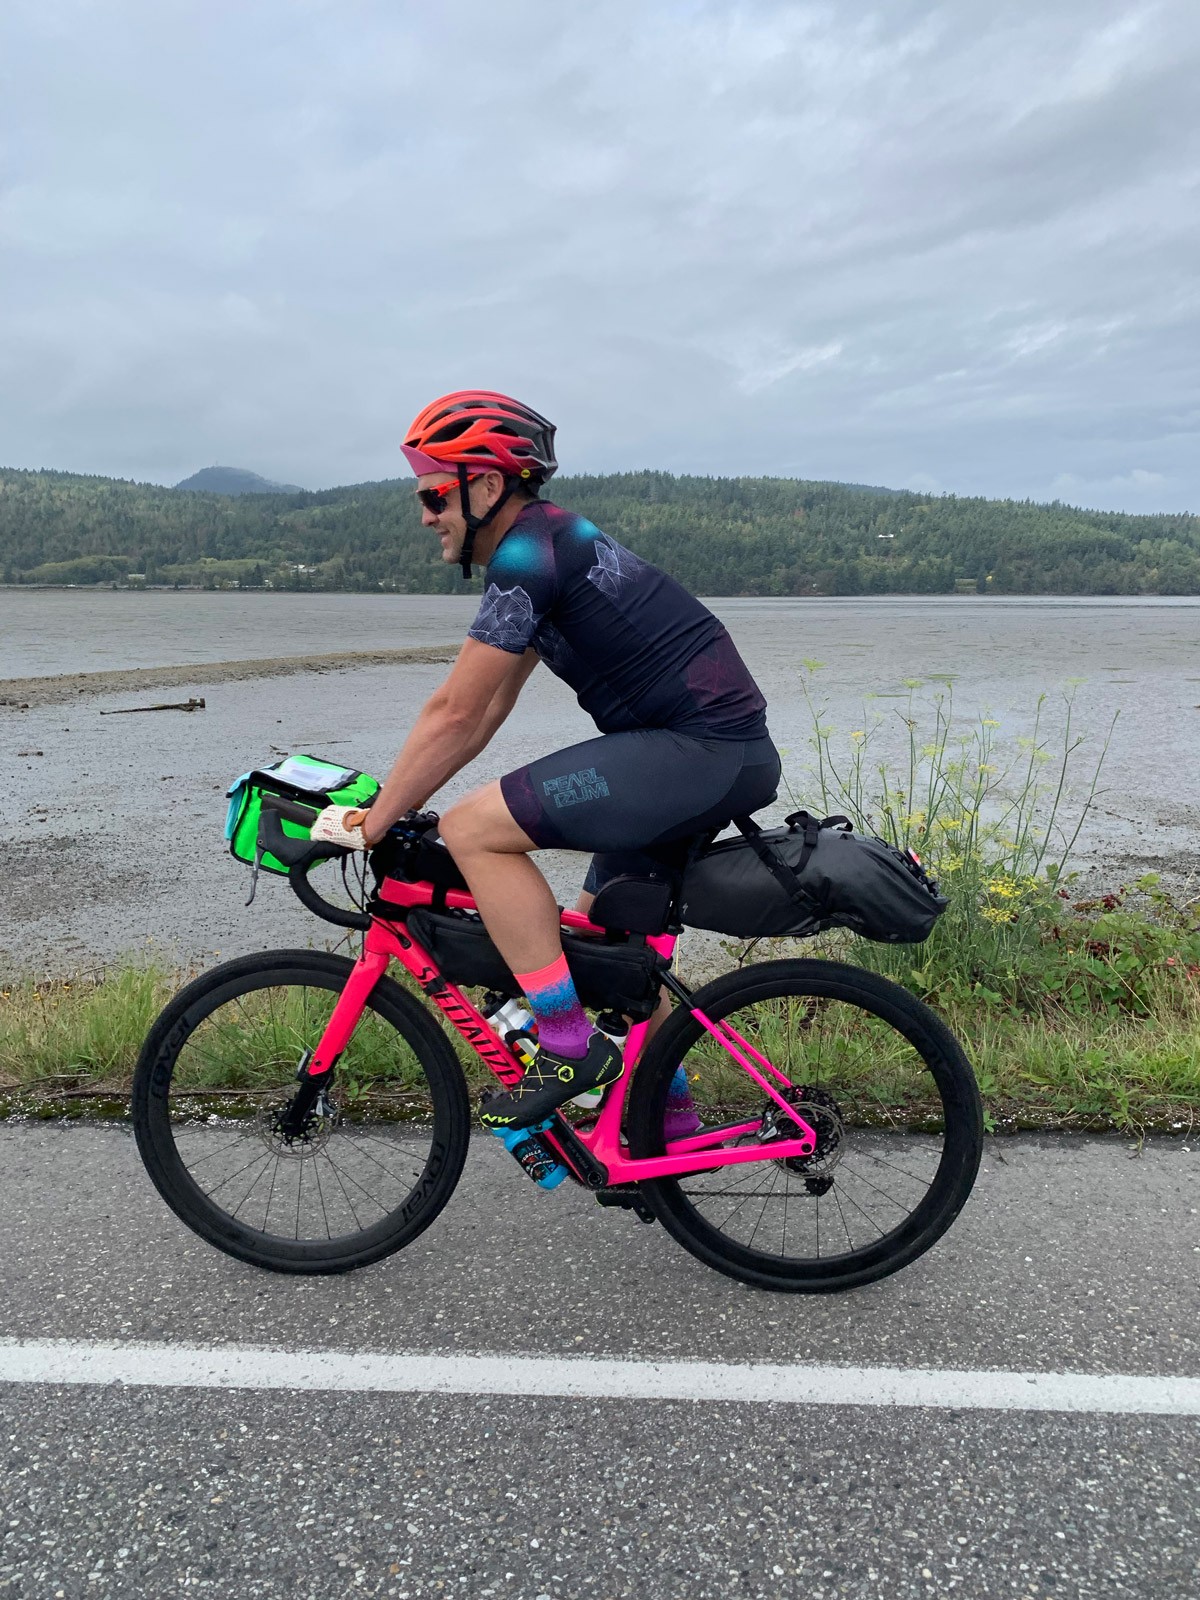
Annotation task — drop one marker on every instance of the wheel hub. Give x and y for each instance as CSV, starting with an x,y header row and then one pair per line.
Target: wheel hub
x,y
275,1127
823,1114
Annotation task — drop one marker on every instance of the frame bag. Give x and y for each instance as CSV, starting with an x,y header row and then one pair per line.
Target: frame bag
x,y
807,876
621,975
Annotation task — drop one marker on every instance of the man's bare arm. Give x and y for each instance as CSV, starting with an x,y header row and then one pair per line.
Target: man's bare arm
x,y
502,702
454,725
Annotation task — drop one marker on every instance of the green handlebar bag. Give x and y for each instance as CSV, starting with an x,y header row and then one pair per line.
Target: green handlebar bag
x,y
308,781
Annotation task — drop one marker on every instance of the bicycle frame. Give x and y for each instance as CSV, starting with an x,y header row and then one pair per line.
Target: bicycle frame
x,y
386,941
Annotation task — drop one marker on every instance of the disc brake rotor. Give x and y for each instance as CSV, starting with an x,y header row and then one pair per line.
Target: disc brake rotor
x,y
823,1114
322,1119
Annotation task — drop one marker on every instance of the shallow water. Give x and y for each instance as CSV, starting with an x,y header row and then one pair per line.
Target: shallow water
x,y
112,835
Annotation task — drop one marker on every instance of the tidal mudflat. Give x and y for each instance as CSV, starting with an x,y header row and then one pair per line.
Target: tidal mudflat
x,y
112,826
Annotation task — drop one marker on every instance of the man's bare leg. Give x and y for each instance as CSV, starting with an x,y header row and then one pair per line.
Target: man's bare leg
x,y
515,901
521,914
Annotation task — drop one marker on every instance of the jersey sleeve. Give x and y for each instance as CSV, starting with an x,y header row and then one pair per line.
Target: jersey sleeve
x,y
520,588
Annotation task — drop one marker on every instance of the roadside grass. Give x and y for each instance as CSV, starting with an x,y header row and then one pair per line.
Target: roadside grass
x,y
1076,1011
68,1048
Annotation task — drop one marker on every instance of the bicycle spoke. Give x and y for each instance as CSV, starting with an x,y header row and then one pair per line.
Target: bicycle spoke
x,y
349,1175
857,1207
257,1179
218,1151
270,1195
321,1197
891,1199
873,1100
345,1193
763,1212
259,1155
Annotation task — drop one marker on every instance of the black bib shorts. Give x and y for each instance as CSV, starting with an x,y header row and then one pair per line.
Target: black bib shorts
x,y
627,797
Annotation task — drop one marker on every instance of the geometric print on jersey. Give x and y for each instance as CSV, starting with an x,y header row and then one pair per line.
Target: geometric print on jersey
x,y
553,648
615,567
505,619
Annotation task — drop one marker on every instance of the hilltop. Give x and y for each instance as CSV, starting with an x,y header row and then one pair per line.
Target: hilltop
x,y
233,480
719,536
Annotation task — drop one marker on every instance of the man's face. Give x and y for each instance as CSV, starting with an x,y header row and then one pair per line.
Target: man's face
x,y
449,524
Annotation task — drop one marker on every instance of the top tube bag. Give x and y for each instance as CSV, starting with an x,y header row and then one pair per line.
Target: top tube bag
x,y
807,876
305,779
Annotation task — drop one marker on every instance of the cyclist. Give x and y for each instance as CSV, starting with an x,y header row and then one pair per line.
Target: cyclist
x,y
683,744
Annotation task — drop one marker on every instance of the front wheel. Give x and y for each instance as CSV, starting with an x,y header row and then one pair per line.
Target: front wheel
x,y
378,1156
885,1086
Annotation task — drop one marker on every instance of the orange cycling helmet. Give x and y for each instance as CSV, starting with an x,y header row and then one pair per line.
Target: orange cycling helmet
x,y
487,431
482,429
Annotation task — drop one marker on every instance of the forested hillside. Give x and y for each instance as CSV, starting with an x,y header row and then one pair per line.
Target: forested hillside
x,y
765,536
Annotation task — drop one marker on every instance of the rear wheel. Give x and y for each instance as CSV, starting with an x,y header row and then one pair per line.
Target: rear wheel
x,y
888,1091
379,1155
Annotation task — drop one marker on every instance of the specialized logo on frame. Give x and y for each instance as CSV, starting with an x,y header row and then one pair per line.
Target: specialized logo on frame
x,y
576,787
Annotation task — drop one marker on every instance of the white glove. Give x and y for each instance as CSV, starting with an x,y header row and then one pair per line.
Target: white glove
x,y
340,825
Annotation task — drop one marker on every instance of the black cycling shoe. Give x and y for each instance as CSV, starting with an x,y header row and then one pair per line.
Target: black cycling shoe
x,y
551,1081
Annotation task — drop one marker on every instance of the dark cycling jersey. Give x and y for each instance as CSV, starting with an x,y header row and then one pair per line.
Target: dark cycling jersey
x,y
637,648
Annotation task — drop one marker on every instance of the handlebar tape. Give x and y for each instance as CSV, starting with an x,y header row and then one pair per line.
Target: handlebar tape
x,y
299,855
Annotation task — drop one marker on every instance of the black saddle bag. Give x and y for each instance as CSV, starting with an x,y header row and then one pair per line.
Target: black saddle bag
x,y
807,876
621,976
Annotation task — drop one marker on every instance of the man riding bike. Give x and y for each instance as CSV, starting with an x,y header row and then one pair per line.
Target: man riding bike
x,y
683,745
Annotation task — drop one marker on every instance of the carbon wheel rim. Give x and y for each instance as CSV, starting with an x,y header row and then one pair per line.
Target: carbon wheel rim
x,y
221,1080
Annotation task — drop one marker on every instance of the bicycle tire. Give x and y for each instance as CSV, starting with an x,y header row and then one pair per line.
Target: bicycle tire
x,y
878,1014
192,1030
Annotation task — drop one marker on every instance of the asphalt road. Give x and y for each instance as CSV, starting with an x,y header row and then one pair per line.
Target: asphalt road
x,y
1072,1257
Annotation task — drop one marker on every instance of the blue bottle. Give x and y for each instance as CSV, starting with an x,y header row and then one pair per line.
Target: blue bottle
x,y
538,1160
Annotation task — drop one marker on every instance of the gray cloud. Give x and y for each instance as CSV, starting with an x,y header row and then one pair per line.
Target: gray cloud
x,y
921,245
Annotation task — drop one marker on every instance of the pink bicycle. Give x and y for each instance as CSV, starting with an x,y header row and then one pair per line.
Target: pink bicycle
x,y
304,1112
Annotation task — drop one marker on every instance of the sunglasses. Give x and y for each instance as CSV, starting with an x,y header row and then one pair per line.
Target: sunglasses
x,y
436,499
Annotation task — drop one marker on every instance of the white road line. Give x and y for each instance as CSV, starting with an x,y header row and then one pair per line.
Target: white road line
x,y
81,1362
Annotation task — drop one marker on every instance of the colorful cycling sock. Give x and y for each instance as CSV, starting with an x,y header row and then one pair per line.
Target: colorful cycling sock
x,y
681,1117
563,1025
679,1094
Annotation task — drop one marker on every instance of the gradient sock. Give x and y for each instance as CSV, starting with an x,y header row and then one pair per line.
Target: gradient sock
x,y
681,1117
679,1094
563,1024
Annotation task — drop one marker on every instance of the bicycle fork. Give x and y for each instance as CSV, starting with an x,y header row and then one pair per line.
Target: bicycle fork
x,y
316,1066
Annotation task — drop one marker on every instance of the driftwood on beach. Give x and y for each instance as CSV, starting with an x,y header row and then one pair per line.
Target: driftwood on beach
x,y
170,705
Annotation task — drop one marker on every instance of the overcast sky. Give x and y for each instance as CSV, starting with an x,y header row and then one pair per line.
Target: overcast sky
x,y
945,247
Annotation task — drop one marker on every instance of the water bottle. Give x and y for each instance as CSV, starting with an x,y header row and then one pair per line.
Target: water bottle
x,y
613,1027
535,1156
509,1019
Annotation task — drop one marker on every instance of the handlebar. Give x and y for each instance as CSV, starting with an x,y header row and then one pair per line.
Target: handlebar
x,y
300,856
304,815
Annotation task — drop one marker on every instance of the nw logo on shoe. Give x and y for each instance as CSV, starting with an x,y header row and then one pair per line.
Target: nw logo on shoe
x,y
576,787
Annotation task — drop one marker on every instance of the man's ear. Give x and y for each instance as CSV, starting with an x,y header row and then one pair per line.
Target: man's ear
x,y
493,484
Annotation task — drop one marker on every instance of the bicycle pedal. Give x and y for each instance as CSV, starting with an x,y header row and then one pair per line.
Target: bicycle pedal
x,y
626,1197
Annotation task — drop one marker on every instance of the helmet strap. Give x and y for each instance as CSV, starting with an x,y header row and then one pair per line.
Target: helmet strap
x,y
473,522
